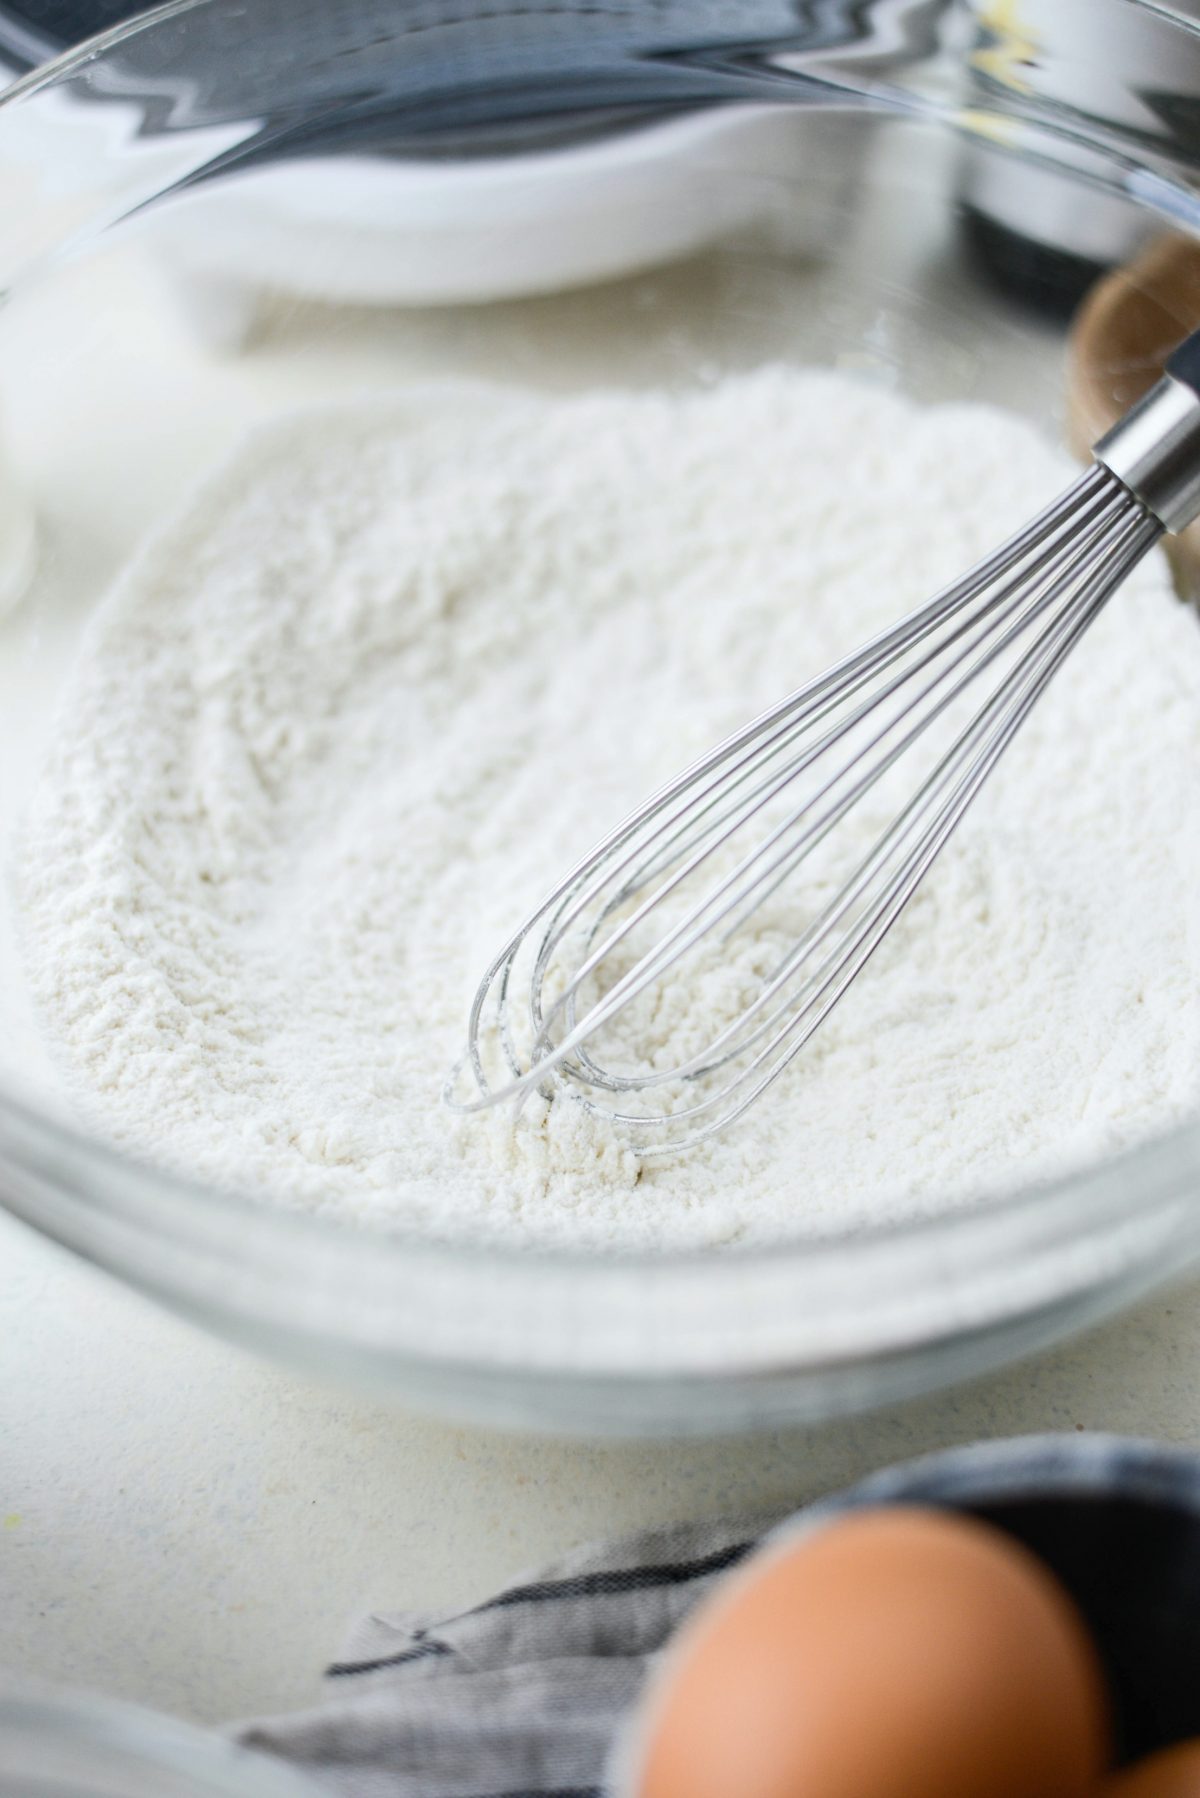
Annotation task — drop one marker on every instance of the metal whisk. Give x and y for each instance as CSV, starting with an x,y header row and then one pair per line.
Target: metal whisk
x,y
903,733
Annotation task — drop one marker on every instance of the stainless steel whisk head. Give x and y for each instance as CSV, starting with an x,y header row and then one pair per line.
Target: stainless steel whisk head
x,y
764,877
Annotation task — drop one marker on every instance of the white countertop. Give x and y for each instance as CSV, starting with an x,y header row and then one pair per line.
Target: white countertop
x,y
185,1526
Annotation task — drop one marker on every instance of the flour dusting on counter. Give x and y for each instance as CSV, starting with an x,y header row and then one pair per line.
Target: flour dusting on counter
x,y
395,667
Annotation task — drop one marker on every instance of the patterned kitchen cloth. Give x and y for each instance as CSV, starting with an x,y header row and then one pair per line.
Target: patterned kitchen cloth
x,y
527,1694
519,1697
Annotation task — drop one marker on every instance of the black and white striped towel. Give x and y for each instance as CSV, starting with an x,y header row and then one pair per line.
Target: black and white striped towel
x,y
525,1696
519,1697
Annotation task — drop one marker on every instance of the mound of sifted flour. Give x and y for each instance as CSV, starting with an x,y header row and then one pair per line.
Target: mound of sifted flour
x,y
395,668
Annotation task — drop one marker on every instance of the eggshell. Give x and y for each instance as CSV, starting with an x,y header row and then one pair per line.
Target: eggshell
x,y
895,1653
1172,1773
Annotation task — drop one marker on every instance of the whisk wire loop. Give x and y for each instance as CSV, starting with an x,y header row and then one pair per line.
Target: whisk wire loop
x,y
719,904
731,1040
680,867
990,733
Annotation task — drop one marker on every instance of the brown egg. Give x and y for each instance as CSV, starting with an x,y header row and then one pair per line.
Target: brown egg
x,y
1173,1773
891,1654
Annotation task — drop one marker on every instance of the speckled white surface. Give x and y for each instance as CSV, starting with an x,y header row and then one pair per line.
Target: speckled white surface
x,y
187,1527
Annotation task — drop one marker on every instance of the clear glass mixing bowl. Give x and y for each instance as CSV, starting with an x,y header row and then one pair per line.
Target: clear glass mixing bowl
x,y
64,1744
237,203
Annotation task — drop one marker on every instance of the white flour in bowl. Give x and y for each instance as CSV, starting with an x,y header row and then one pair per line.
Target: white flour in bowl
x,y
395,668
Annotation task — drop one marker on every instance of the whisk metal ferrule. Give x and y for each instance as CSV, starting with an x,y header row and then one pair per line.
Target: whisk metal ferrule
x,y
1155,449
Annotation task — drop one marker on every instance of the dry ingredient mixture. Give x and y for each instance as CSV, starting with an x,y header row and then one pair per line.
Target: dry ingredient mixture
x,y
396,666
